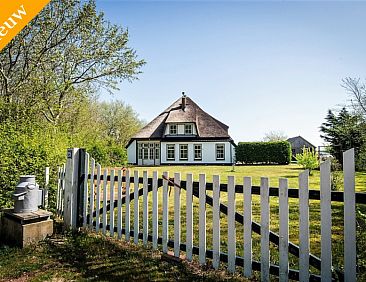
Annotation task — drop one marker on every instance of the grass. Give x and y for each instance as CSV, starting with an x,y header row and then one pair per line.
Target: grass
x,y
274,173
89,256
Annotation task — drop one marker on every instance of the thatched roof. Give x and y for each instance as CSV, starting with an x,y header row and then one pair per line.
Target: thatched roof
x,y
207,126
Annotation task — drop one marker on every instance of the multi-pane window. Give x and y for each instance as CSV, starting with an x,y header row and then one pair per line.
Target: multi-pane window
x,y
170,151
220,151
173,129
188,129
157,151
140,151
145,151
197,152
151,149
148,151
183,152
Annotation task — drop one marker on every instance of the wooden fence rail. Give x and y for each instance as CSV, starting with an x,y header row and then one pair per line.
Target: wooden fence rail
x,y
102,211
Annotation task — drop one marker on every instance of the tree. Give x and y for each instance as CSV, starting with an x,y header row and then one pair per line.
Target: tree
x,y
308,159
66,53
357,91
118,121
275,136
50,74
343,131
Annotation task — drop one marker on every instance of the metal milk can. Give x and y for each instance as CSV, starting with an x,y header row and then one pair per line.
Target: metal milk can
x,y
27,195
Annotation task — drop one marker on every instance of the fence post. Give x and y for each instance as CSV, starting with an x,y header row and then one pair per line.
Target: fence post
x,y
81,179
349,216
71,188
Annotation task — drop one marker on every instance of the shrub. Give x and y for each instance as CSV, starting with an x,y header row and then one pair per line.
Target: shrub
x,y
278,152
28,151
308,159
336,180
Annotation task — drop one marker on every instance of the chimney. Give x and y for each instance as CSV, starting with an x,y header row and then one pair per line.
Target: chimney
x,y
183,101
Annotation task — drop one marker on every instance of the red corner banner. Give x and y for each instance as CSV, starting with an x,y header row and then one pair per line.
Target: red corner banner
x,y
15,15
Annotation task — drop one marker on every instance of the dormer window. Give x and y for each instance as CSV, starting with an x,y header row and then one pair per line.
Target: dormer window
x,y
188,129
173,129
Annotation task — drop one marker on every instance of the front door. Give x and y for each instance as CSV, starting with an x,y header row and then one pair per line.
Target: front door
x,y
149,153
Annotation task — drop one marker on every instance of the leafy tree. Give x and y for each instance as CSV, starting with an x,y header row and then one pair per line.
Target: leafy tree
x,y
308,159
50,74
118,121
66,53
272,136
343,131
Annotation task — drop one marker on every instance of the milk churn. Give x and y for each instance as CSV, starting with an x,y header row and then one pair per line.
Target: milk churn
x,y
27,195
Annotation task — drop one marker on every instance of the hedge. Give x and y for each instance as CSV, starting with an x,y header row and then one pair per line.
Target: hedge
x,y
278,152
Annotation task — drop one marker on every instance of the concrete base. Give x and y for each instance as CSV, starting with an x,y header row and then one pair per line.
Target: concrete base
x,y
22,229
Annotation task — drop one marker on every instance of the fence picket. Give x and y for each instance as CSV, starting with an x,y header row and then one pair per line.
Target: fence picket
x,y
265,229
326,221
97,215
119,205
349,216
111,204
145,212
58,198
63,190
165,213
231,224
127,211
189,217
85,196
247,226
155,210
304,247
283,243
105,193
177,214
91,195
216,222
136,207
202,219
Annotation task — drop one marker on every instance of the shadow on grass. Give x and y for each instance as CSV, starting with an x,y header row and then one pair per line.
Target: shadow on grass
x,y
89,256
103,259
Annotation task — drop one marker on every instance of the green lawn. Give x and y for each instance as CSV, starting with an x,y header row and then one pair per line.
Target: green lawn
x,y
274,173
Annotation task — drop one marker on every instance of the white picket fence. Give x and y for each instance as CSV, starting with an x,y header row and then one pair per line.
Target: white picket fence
x,y
103,196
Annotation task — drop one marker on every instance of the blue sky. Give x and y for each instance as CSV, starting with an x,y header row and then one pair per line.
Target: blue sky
x,y
256,66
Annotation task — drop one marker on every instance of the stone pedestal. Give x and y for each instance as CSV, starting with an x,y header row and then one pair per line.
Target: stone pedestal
x,y
22,229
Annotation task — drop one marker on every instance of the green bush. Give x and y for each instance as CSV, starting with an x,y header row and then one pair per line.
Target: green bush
x,y
278,152
108,155
308,159
28,150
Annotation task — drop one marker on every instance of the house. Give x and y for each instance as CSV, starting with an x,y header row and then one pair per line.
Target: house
x,y
298,143
182,134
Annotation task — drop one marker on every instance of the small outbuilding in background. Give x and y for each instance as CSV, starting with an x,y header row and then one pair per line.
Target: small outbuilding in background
x,y
298,143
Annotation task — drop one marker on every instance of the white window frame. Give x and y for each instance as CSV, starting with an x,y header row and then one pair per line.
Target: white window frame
x,y
188,126
171,127
170,147
181,150
221,153
195,147
139,156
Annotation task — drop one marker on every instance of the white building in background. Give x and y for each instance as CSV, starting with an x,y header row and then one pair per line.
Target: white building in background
x,y
182,134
